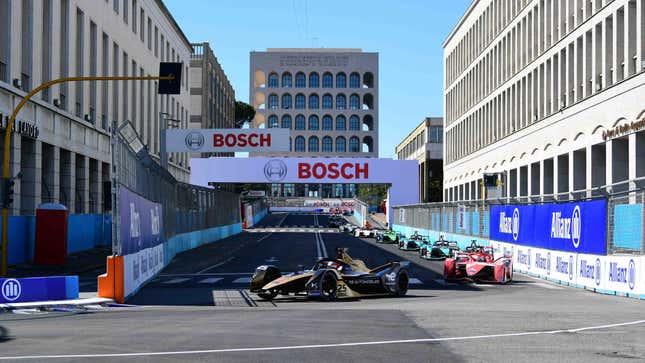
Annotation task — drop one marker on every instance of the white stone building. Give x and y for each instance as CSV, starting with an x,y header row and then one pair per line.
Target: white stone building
x,y
549,93
42,40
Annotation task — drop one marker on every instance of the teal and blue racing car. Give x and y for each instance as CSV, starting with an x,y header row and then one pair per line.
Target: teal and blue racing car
x,y
438,250
412,243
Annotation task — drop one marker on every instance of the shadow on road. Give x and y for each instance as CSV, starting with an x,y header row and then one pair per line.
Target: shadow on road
x,y
4,334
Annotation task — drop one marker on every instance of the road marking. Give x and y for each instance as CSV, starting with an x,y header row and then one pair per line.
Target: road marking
x,y
318,346
210,280
176,280
242,280
216,265
547,286
415,281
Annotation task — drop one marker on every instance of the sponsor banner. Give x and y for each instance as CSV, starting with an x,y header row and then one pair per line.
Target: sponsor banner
x,y
563,266
293,209
141,266
333,203
541,262
522,259
38,289
141,222
256,193
622,274
589,270
573,227
227,140
462,223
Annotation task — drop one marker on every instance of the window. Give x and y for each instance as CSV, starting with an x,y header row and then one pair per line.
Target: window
x,y
125,11
341,102
286,80
300,144
341,144
354,80
341,123
300,122
134,16
313,144
354,102
301,102
301,80
115,88
273,122
149,34
273,102
115,6
354,144
327,144
46,47
93,69
142,23
354,123
314,102
327,123
328,80
286,122
156,41
314,80
327,102
286,101
341,80
313,122
273,80
80,58
436,135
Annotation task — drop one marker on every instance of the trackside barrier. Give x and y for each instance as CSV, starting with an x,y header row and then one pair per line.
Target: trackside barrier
x,y
38,289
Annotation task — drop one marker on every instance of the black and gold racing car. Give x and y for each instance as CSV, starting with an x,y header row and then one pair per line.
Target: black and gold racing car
x,y
330,279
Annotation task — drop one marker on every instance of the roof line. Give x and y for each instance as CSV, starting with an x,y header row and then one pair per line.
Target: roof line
x,y
460,22
173,22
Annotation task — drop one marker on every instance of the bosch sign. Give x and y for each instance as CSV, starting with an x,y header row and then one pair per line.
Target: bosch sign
x,y
227,140
345,171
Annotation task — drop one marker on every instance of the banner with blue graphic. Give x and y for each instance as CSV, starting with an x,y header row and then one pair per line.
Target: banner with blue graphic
x,y
38,289
573,227
141,222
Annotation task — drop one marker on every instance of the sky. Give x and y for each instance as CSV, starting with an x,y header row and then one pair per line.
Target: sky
x,y
407,34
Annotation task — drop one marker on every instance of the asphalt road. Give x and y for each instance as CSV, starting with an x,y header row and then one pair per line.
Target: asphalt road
x,y
198,310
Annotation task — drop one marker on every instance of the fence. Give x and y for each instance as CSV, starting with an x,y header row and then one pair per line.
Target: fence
x,y
625,218
186,207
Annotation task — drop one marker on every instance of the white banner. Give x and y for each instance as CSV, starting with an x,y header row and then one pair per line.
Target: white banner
x,y
622,274
140,267
462,223
256,193
227,140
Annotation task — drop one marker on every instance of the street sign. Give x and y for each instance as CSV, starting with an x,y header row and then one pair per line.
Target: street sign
x,y
172,86
227,140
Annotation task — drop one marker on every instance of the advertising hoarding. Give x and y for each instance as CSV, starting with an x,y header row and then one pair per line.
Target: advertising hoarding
x,y
227,140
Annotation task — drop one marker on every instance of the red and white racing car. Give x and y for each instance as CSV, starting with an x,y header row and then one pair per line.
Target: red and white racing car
x,y
478,264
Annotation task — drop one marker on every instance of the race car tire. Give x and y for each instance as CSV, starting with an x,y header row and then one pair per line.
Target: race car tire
x,y
269,295
328,286
402,282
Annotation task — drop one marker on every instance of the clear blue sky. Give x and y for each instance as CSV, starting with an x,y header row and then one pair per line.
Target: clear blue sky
x,y
408,34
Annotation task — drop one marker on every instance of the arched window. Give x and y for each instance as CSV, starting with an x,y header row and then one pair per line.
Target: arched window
x,y
341,102
314,80
286,80
341,144
314,102
341,123
354,102
273,102
341,80
273,121
327,144
286,101
300,122
301,80
328,80
354,123
354,144
313,144
313,122
354,80
300,144
327,102
286,122
273,80
301,101
368,80
327,123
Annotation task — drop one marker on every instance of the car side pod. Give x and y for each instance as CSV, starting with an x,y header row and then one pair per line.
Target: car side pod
x,y
449,268
262,276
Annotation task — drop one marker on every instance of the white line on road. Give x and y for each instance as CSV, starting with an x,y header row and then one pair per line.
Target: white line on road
x,y
242,280
210,280
318,346
216,265
178,280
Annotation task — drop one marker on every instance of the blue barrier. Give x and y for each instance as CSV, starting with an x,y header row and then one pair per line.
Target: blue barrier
x,y
38,289
258,217
628,224
187,241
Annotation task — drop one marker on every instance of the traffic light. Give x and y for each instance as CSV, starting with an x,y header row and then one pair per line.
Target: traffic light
x,y
7,192
172,86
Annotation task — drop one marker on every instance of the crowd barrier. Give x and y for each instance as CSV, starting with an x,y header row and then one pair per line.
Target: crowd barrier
x,y
38,289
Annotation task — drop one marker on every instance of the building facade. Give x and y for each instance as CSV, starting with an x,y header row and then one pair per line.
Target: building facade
x,y
62,146
425,144
548,93
328,98
212,98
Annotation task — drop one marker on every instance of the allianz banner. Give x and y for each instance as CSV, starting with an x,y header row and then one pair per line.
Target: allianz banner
x,y
141,222
573,227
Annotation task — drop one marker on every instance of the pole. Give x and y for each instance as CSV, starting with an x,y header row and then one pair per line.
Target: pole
x,y
7,143
163,155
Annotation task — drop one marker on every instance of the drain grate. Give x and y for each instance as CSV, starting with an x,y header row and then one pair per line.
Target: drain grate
x,y
238,298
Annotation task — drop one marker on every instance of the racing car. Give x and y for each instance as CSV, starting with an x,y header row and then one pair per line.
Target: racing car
x,y
411,243
366,232
330,279
347,227
439,250
335,222
477,264
387,236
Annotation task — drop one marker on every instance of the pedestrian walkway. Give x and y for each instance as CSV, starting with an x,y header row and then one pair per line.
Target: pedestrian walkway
x,y
77,264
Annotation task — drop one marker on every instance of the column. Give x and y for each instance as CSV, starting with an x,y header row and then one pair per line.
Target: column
x,y
608,162
589,173
631,159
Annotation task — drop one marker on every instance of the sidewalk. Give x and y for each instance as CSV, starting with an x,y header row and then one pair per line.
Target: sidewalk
x,y
77,264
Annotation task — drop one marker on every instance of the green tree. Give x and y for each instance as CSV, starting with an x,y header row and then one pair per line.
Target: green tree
x,y
243,113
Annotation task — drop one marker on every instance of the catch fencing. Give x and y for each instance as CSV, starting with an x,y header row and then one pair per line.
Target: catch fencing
x,y
625,223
